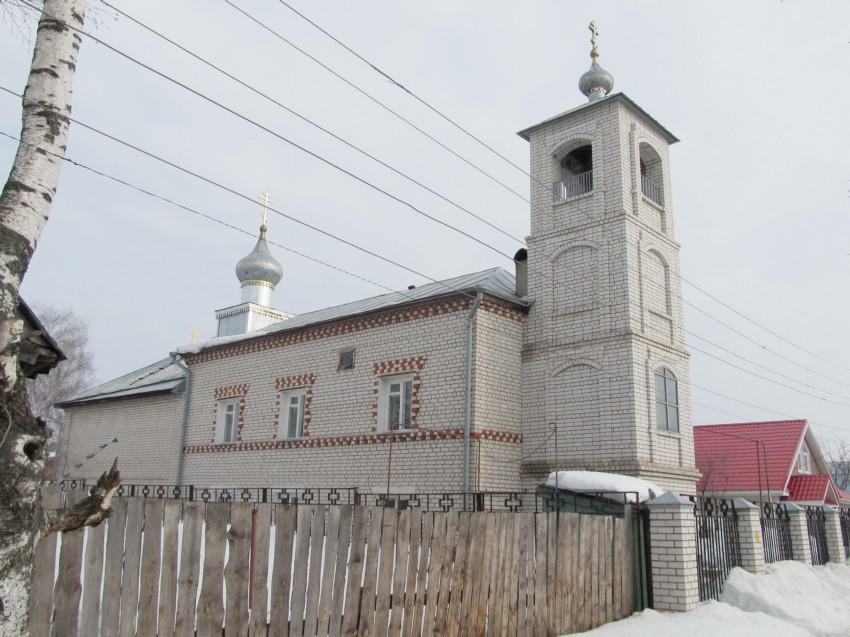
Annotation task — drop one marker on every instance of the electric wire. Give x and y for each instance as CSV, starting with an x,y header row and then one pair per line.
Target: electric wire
x,y
756,323
312,123
375,100
406,90
283,138
764,347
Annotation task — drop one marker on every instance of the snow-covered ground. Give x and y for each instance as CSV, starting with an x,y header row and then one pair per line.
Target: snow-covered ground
x,y
791,600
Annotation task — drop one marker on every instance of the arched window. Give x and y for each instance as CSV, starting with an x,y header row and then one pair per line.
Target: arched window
x,y
666,400
651,174
575,173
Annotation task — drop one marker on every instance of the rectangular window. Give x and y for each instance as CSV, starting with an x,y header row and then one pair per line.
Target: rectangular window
x,y
292,413
396,403
346,359
228,421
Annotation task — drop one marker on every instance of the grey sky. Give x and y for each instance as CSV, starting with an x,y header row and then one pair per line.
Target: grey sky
x,y
758,93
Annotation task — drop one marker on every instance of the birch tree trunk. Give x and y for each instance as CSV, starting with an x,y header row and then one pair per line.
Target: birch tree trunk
x,y
24,208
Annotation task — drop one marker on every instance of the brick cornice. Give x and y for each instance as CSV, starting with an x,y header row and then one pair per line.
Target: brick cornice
x,y
364,439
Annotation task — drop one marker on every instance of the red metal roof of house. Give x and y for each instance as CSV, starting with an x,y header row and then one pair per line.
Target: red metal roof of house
x,y
728,458
843,495
811,488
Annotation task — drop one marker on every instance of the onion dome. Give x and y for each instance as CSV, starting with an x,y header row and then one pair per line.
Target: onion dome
x,y
259,267
595,83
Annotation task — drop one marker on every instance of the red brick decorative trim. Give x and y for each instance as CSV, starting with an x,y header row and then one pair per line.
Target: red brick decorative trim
x,y
224,393
336,328
295,382
345,441
412,364
502,308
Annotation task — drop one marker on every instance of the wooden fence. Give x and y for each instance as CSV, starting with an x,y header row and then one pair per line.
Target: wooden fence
x,y
172,568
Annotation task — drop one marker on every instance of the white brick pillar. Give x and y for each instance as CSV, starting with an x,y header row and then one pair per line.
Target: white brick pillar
x,y
834,541
749,536
673,550
799,533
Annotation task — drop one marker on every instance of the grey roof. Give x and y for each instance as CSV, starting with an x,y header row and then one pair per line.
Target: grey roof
x,y
671,138
496,282
158,378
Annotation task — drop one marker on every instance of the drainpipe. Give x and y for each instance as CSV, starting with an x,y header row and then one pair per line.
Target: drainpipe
x,y
187,393
467,411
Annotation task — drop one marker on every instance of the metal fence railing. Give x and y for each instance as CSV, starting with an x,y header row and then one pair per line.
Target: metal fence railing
x,y
816,522
652,191
718,545
844,516
776,533
572,186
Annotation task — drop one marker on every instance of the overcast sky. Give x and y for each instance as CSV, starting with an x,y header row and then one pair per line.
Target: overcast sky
x,y
758,93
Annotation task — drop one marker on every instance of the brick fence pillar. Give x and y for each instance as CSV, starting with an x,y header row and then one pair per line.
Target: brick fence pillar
x,y
834,541
673,550
749,536
799,533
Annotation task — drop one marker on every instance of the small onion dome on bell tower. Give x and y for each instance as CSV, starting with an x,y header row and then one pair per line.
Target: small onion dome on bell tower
x,y
259,272
597,82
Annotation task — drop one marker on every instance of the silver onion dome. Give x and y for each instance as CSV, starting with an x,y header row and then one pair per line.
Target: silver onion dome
x,y
259,266
595,83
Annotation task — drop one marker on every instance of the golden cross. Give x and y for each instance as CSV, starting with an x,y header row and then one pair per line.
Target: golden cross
x,y
194,335
267,199
594,53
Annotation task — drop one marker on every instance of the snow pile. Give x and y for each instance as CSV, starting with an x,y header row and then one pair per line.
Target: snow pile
x,y
611,485
790,600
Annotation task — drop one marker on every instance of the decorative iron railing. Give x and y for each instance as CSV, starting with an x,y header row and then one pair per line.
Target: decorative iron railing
x,y
776,533
816,522
572,186
718,546
844,516
651,190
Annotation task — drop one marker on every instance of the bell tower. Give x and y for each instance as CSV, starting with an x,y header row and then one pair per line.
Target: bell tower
x,y
606,384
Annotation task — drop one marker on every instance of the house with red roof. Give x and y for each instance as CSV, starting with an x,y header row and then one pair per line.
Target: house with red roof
x,y
764,461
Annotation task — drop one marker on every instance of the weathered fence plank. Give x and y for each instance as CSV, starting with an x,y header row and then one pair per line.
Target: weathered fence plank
x,y
168,576
93,579
237,571
285,523
317,537
355,571
402,560
412,571
299,572
210,603
434,565
471,577
149,567
130,576
383,588
568,540
449,557
190,569
516,581
370,574
113,567
259,592
346,512
422,575
41,592
328,570
69,586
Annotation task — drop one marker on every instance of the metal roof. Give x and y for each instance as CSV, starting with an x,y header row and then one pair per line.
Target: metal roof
x,y
671,138
161,377
496,282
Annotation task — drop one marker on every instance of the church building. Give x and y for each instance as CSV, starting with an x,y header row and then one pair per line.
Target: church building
x,y
486,381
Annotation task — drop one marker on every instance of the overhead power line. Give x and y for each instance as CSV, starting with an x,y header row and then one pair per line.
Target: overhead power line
x,y
764,347
376,101
405,89
768,330
311,122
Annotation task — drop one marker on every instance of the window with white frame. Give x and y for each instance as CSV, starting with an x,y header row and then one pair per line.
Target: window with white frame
x,y
804,460
396,407
666,400
227,424
292,413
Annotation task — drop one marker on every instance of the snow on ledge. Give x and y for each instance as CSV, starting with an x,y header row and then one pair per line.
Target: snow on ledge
x,y
612,485
196,348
